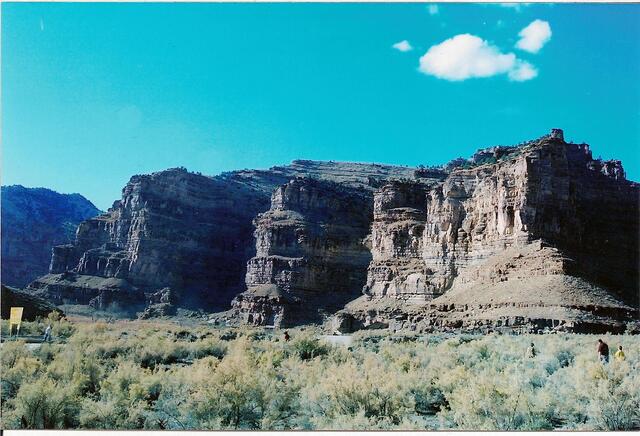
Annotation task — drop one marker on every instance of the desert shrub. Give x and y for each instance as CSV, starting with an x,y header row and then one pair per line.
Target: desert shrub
x,y
46,352
158,375
18,367
352,390
615,400
209,346
160,349
229,335
240,394
45,404
428,398
307,347
12,351
126,395
565,358
61,327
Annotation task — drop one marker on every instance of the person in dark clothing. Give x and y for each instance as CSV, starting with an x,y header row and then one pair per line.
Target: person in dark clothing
x,y
603,351
286,336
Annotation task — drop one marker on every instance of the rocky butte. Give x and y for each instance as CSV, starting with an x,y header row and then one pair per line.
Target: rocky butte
x,y
530,236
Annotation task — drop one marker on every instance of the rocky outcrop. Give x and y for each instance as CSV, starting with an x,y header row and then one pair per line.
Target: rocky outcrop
x,y
32,306
549,190
170,229
34,220
185,231
160,303
431,244
525,235
101,293
525,289
310,253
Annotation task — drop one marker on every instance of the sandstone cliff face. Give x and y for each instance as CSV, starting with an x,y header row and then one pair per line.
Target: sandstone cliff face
x,y
170,229
425,241
34,220
310,252
428,247
184,231
549,190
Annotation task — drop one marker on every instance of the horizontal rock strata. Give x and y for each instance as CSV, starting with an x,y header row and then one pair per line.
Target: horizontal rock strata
x,y
185,231
456,241
310,253
539,234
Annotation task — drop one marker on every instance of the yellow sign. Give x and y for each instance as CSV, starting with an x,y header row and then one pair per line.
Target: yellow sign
x,y
15,318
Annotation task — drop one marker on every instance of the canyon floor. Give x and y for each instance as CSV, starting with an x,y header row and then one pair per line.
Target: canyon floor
x,y
190,374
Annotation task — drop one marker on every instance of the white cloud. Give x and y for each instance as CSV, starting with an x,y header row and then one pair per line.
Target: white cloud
x,y
522,71
468,56
433,9
515,6
534,36
402,46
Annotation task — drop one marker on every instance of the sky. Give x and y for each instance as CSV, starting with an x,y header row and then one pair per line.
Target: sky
x,y
95,93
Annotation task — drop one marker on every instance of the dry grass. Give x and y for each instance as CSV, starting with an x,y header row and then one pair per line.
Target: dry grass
x,y
159,375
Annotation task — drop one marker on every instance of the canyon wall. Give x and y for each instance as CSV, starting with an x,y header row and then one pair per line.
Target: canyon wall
x,y
184,231
34,220
310,252
428,244
548,190
493,236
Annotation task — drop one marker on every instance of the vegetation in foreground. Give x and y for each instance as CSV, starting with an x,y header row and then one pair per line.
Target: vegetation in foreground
x,y
151,375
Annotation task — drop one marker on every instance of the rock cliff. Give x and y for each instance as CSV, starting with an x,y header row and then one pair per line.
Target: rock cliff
x,y
539,234
184,231
310,252
430,245
34,220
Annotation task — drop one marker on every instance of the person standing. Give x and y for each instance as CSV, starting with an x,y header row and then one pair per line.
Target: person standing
x,y
531,351
47,334
619,355
603,351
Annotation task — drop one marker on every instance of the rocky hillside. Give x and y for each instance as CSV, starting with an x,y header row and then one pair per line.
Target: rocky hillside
x,y
310,253
34,220
183,231
475,243
537,234
32,306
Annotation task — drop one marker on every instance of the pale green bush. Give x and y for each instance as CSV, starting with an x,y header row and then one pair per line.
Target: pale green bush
x,y
307,347
45,404
17,366
158,375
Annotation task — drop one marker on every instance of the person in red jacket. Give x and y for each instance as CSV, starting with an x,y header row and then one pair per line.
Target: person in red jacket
x,y
603,351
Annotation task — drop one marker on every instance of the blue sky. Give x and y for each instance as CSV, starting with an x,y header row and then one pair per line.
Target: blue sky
x,y
94,93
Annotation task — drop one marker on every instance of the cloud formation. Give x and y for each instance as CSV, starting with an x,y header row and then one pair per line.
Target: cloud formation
x,y
468,56
522,71
515,6
402,46
433,9
534,36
